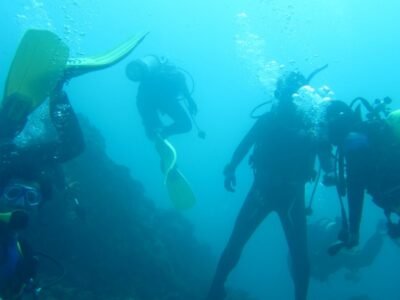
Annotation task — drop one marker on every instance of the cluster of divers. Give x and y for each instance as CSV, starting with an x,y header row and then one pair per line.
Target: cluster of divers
x,y
285,146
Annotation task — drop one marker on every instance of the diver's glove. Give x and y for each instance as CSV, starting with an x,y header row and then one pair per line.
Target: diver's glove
x,y
329,179
393,230
230,178
346,240
352,241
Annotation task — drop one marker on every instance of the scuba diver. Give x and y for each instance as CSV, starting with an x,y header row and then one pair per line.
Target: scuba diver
x,y
283,161
33,169
322,234
28,174
368,160
18,265
162,91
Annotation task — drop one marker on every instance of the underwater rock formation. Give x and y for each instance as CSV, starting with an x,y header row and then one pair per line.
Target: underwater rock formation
x,y
117,245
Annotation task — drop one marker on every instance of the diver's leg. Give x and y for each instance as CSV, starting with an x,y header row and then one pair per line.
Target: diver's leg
x,y
293,218
70,138
181,120
150,118
254,210
69,144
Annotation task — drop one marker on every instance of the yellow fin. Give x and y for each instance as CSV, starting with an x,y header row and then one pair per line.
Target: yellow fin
x,y
179,189
37,68
80,66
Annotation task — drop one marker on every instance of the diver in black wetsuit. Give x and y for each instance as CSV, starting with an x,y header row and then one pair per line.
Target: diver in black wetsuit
x,y
162,90
39,164
18,265
283,161
28,174
370,153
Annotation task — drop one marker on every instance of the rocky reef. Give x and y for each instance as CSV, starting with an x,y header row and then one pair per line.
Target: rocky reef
x,y
116,244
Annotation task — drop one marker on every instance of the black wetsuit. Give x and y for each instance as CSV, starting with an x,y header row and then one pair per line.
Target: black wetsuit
x,y
163,93
41,161
372,159
283,161
18,265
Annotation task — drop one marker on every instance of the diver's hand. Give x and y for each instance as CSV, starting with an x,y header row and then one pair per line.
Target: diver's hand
x,y
393,230
350,239
230,178
329,179
346,240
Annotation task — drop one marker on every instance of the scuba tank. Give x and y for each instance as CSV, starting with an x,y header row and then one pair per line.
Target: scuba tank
x,y
393,120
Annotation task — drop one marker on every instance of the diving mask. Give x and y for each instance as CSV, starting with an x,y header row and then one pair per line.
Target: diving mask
x,y
21,195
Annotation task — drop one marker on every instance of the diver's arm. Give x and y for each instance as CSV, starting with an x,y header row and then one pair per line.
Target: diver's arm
x,y
240,152
326,161
70,137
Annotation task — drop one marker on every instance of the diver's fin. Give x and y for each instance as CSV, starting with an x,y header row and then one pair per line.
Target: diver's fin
x,y
167,154
37,68
79,66
179,190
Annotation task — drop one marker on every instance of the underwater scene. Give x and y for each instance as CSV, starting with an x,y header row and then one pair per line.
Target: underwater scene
x,y
199,150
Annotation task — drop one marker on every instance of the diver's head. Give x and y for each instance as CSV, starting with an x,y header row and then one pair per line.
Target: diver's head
x,y
140,69
339,120
287,85
21,195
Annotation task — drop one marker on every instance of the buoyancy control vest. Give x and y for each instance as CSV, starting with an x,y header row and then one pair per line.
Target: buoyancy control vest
x,y
284,147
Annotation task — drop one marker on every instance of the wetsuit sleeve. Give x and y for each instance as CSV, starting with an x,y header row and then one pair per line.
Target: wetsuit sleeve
x,y
70,137
245,145
325,157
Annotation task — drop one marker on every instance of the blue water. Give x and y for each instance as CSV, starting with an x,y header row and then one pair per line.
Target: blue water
x,y
226,46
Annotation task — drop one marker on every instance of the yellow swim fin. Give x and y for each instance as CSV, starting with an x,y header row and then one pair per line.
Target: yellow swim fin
x,y
40,64
79,66
179,189
37,68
